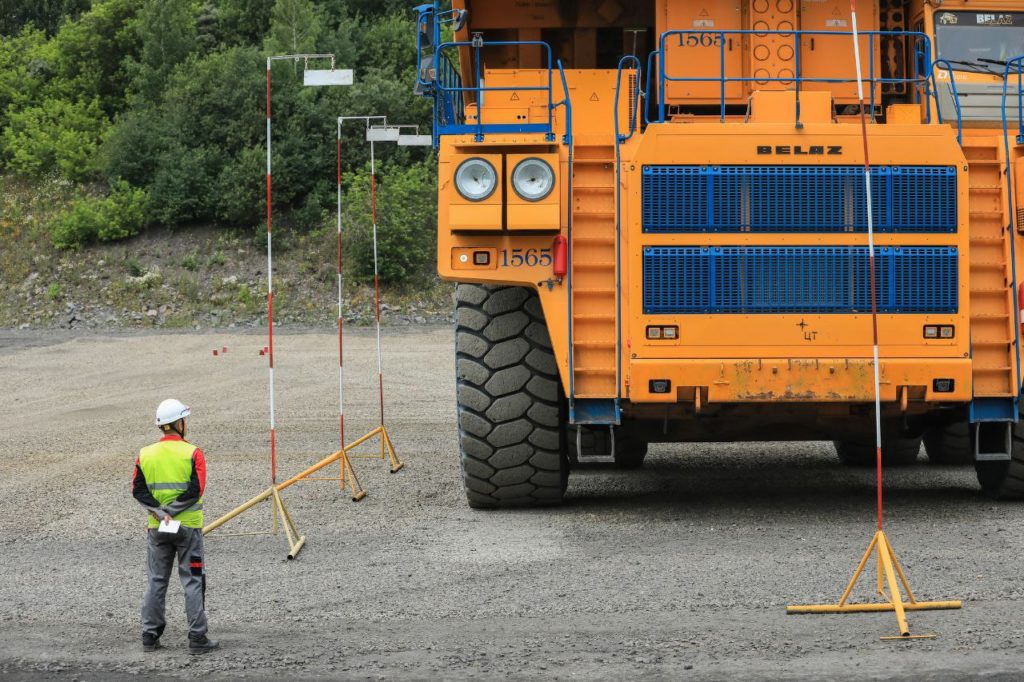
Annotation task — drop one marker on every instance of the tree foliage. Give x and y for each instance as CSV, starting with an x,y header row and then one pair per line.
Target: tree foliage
x,y
166,98
45,15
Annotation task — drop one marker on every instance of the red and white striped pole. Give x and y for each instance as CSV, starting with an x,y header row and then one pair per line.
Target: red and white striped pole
x,y
871,263
341,355
376,281
270,299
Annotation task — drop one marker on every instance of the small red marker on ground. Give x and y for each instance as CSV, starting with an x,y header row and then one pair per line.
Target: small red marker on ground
x,y
214,352
224,349
261,352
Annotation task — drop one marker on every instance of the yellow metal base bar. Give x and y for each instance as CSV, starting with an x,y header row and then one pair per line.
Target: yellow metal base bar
x,y
889,580
347,473
871,608
277,509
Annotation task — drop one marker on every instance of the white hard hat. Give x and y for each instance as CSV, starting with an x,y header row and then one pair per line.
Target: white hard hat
x,y
170,411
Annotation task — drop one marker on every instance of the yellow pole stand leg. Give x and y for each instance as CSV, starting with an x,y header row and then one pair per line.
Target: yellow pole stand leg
x,y
387,448
348,478
396,463
890,579
295,540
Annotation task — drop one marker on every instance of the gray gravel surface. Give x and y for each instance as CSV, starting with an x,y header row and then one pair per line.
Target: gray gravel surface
x,y
680,570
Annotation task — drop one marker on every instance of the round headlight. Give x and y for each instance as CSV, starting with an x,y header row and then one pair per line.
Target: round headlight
x,y
533,179
476,179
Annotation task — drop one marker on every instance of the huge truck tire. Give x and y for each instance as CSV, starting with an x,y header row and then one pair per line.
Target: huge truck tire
x,y
895,451
509,400
1005,480
949,444
630,450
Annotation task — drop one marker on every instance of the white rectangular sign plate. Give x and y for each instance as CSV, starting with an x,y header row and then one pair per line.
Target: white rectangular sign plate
x,y
327,77
382,134
415,141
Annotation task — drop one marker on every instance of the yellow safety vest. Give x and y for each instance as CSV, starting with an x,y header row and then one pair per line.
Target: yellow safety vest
x,y
167,466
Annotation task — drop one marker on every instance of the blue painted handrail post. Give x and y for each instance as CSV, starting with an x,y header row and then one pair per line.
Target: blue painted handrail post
x,y
1017,65
619,139
942,63
567,140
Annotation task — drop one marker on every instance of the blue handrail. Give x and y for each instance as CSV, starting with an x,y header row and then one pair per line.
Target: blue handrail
x,y
567,139
956,98
479,89
619,139
1018,66
636,109
567,103
1019,70
797,78
647,87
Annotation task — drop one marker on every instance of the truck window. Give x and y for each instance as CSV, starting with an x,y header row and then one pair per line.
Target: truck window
x,y
968,37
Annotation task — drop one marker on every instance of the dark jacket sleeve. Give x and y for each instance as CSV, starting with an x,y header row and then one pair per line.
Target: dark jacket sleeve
x,y
140,491
195,487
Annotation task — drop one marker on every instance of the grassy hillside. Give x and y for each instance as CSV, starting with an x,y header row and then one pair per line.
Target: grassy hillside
x,y
201,276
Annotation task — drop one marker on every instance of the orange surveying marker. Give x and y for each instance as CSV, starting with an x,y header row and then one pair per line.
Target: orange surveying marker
x,y
890,573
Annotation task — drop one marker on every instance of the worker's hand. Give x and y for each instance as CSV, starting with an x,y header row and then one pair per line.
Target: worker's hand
x,y
167,518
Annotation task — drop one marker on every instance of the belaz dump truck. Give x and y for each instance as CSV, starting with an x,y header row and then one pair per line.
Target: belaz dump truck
x,y
656,213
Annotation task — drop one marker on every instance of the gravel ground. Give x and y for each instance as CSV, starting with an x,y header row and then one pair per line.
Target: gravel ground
x,y
682,569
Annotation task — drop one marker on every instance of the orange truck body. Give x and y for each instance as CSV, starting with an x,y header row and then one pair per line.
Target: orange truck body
x,y
779,352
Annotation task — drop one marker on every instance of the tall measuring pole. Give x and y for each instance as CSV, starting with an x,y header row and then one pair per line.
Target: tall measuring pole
x,y
311,77
341,353
376,279
340,278
270,296
891,576
871,264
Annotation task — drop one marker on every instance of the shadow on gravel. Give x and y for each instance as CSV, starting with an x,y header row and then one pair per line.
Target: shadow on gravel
x,y
749,483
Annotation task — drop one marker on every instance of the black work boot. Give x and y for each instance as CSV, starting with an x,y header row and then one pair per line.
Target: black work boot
x,y
201,645
150,643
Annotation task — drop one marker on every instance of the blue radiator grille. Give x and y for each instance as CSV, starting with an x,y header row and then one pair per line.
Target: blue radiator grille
x,y
685,279
797,199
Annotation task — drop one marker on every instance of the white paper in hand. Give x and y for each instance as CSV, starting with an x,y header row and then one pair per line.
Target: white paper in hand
x,y
171,526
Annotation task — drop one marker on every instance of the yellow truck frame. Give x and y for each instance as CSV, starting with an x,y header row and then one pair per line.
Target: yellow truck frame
x,y
655,213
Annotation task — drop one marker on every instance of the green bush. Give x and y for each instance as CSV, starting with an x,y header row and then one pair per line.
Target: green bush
x,y
119,215
406,223
55,134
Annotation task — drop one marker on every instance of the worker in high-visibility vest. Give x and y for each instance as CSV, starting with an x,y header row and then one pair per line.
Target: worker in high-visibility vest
x,y
169,479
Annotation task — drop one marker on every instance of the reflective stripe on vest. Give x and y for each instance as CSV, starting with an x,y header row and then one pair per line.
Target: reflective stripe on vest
x,y
167,466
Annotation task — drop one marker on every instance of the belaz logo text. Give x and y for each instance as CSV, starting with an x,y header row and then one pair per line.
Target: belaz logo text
x,y
800,150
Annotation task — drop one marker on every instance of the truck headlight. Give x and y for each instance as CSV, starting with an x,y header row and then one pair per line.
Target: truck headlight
x,y
533,179
476,179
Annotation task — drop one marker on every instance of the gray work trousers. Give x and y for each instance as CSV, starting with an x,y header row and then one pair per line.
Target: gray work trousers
x,y
187,544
